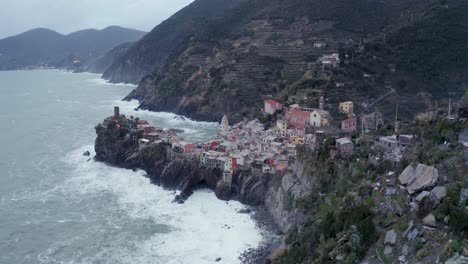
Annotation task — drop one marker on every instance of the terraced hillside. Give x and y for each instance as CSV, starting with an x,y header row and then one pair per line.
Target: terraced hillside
x,y
238,54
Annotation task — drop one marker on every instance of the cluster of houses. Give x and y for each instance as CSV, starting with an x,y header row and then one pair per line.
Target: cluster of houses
x,y
301,117
319,123
272,150
250,144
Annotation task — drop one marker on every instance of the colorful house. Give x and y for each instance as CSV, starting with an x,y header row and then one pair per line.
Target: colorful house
x,y
187,147
271,106
297,140
319,118
349,125
372,121
297,118
345,146
347,108
282,128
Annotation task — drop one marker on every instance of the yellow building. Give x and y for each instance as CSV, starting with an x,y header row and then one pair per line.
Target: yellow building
x,y
282,127
297,140
326,121
347,108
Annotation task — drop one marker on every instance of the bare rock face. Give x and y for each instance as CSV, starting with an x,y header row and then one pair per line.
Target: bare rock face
x,y
418,178
280,195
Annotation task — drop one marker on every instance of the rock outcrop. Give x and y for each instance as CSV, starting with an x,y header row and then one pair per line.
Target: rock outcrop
x,y
116,145
418,178
279,197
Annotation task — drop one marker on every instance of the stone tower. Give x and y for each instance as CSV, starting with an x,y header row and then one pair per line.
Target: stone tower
x,y
225,124
116,113
322,103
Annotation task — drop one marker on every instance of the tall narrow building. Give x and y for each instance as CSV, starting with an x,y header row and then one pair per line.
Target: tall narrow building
x,y
225,124
322,103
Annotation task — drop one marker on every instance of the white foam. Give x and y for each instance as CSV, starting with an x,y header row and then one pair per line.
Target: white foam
x,y
98,81
128,108
199,228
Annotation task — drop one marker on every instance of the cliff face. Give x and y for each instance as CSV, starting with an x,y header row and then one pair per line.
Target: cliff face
x,y
281,196
116,146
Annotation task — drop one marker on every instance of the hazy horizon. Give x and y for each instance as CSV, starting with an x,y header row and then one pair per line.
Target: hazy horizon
x,y
66,17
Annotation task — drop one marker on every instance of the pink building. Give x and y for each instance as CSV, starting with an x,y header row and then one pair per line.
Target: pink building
x,y
349,125
189,147
271,106
297,118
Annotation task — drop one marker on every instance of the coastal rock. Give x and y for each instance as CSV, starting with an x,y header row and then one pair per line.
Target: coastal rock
x,y
116,145
250,186
223,191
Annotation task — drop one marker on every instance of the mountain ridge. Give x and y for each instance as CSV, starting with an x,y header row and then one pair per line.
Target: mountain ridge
x,y
45,47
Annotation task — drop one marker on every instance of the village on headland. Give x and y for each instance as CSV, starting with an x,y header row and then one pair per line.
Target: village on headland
x,y
274,149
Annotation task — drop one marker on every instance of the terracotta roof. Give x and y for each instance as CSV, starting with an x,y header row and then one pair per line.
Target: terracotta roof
x,y
298,112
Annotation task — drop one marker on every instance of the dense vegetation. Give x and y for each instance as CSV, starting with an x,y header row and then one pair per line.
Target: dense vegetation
x,y
345,217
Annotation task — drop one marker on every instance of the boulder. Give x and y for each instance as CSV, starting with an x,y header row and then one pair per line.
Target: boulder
x,y
421,177
413,234
430,221
421,196
390,237
405,250
438,193
406,175
388,250
410,226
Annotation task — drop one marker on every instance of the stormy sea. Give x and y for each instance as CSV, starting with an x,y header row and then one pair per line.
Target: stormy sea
x,y
58,206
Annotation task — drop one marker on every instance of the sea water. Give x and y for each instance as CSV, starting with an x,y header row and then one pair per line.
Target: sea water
x,y
58,206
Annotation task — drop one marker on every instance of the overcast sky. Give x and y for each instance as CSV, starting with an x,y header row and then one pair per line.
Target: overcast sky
x,y
65,16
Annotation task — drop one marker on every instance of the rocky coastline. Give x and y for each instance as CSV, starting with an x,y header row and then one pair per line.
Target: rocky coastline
x,y
117,145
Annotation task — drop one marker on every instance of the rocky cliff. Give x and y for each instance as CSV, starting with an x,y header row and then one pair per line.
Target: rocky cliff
x,y
116,145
